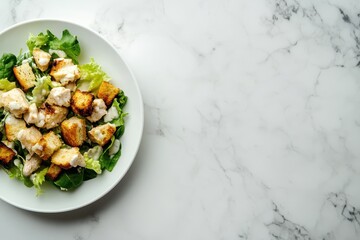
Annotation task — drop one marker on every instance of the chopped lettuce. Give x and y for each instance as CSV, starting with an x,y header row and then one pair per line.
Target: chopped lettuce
x,y
6,85
108,161
39,41
41,89
7,62
38,179
120,120
68,43
91,76
70,179
92,159
15,170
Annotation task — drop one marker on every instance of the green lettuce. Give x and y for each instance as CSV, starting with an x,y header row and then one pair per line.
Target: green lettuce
x,y
68,43
38,179
92,164
15,170
70,179
6,85
120,120
7,62
108,161
91,76
42,89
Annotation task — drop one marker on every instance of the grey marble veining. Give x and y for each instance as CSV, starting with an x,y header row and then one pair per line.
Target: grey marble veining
x,y
252,121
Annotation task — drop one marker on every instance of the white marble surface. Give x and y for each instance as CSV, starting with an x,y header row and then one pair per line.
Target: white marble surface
x,y
252,121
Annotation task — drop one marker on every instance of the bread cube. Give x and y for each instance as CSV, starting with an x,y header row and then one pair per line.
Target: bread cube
x,y
102,133
25,76
73,131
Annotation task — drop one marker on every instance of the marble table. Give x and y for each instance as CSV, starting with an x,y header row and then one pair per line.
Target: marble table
x,y
252,121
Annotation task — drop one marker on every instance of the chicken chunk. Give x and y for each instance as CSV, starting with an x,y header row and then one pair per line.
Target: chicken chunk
x,y
107,92
13,126
42,59
59,96
68,157
25,76
81,103
29,137
31,165
73,131
47,145
99,110
51,116
102,133
15,102
64,71
6,153
31,117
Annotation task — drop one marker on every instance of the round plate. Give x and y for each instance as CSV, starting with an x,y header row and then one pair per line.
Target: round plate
x,y
92,45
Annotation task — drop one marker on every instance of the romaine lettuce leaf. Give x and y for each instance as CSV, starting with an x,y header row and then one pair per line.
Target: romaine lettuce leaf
x,y
70,179
120,120
38,179
92,164
39,41
108,161
7,62
15,170
41,89
6,85
91,76
68,43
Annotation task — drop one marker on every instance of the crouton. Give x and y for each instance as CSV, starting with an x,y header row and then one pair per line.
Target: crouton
x,y
59,96
99,110
25,76
53,171
6,153
102,133
68,157
81,103
51,116
64,71
47,145
107,92
73,131
31,165
15,102
29,137
13,126
42,59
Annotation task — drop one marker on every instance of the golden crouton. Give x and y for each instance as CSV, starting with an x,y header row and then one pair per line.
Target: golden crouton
x,y
42,59
68,157
73,131
53,171
13,126
25,76
107,92
51,116
6,154
47,145
64,71
29,137
102,133
81,103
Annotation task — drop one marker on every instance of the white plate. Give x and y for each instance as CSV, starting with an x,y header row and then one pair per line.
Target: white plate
x,y
92,45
